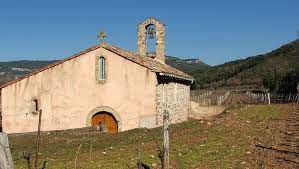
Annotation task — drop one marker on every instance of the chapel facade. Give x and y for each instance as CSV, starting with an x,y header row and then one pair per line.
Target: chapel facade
x,y
102,85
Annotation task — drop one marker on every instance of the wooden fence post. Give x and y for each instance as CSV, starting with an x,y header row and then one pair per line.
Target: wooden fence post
x,y
38,139
165,164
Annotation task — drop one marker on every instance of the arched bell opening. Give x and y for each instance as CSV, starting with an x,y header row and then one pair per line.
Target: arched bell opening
x,y
151,39
151,35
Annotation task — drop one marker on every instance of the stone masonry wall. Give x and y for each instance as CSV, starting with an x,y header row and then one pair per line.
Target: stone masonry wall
x,y
175,98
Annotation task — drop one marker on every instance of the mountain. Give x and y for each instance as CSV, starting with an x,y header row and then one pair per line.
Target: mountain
x,y
277,71
186,65
14,69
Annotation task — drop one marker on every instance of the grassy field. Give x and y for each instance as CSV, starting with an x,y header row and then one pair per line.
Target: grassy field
x,y
223,142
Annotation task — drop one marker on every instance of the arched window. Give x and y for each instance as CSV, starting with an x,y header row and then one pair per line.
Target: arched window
x,y
35,105
101,67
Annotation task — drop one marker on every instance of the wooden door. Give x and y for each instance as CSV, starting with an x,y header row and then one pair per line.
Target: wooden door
x,y
105,119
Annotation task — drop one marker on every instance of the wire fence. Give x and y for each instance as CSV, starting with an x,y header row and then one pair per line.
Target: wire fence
x,y
271,98
223,98
197,95
229,97
209,98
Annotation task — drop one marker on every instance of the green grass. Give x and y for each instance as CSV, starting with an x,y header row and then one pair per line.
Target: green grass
x,y
219,143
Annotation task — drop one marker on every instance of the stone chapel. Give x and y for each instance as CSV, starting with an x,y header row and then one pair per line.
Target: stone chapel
x,y
103,84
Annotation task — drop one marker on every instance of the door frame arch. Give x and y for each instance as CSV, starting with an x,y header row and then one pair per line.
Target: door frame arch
x,y
104,109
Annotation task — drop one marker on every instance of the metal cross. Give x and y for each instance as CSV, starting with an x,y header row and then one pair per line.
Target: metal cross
x,y
102,35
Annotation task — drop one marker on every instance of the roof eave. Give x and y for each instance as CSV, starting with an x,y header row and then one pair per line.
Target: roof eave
x,y
175,76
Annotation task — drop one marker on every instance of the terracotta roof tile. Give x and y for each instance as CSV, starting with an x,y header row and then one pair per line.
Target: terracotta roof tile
x,y
148,62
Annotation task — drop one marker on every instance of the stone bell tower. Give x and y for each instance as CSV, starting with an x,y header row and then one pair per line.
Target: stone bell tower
x,y
149,28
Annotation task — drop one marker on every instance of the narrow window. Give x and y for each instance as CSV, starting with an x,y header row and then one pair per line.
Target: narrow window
x,y
102,70
35,102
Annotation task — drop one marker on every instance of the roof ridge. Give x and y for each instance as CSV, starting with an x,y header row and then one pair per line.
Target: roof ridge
x,y
149,63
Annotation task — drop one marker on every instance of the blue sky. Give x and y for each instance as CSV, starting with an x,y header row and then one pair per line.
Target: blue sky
x,y
211,30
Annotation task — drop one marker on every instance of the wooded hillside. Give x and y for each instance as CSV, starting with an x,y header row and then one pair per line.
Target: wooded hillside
x,y
277,71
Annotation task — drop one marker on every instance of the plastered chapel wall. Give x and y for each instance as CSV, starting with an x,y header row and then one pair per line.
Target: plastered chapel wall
x,y
68,92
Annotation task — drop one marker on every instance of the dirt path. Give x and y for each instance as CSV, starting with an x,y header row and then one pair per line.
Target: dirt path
x,y
205,112
283,149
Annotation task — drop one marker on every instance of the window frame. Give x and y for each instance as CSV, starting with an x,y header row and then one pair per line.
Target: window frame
x,y
35,106
101,69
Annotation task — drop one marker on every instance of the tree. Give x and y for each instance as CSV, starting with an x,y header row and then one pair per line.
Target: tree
x,y
289,82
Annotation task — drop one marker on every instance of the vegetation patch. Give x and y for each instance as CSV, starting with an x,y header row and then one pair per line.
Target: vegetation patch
x,y
223,142
277,70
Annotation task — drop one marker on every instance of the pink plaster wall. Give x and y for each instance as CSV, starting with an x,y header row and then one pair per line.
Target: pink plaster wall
x,y
68,92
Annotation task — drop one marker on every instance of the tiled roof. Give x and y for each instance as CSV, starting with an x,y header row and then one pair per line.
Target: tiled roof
x,y
148,62
151,64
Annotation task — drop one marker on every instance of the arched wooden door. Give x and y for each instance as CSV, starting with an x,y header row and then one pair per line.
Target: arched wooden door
x,y
106,120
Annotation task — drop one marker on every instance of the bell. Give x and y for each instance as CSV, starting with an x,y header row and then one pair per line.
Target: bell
x,y
151,32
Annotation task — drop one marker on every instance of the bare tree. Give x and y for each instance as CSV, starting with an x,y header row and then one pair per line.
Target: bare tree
x,y
159,149
27,157
38,140
165,164
77,153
